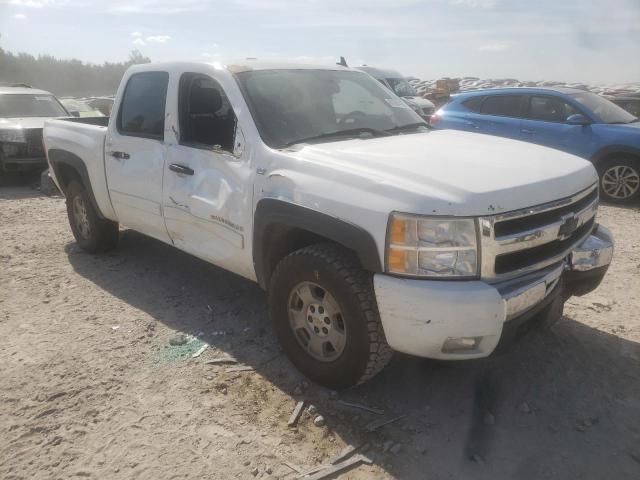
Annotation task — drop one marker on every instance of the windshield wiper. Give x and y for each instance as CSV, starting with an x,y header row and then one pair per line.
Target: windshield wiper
x,y
409,126
342,133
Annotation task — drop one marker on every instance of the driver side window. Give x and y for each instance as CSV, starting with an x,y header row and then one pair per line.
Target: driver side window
x,y
206,117
550,109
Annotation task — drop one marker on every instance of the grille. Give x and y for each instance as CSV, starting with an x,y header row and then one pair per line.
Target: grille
x,y
34,142
527,240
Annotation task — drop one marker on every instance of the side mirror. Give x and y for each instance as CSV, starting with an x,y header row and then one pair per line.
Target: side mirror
x,y
577,119
74,113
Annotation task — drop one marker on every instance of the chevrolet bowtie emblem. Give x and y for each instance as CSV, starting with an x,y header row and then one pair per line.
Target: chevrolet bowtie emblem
x,y
568,226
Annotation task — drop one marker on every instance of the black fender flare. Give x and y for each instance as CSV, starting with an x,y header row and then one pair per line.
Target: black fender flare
x,y
614,149
58,158
271,211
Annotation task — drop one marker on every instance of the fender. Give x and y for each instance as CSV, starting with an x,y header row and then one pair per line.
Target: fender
x,y
609,149
271,211
60,158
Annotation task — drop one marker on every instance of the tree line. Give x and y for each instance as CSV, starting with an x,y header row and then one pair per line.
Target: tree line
x,y
65,77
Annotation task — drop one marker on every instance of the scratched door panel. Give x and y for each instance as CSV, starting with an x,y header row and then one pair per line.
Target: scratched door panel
x,y
206,213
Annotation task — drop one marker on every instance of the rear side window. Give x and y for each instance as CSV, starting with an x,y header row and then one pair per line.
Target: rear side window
x,y
549,109
503,105
473,104
143,104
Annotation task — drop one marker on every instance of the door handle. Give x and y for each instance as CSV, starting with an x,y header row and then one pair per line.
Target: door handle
x,y
524,130
174,167
119,155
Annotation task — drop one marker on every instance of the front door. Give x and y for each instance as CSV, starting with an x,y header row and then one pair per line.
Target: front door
x,y
135,154
207,198
545,124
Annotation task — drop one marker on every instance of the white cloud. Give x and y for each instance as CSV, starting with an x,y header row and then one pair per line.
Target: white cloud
x,y
31,3
158,39
473,3
136,34
157,7
494,47
20,16
138,41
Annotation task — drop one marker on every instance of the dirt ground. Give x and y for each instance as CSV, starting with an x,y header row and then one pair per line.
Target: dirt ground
x,y
90,386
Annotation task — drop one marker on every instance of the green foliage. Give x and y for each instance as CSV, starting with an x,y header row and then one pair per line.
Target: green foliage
x,y
65,77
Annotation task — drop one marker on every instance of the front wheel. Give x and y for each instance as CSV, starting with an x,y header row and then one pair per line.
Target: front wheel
x,y
620,180
325,315
93,234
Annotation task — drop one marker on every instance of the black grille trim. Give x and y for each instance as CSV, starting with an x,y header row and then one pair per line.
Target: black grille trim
x,y
510,262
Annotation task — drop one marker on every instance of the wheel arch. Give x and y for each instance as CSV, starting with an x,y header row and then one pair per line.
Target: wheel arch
x,y
67,167
282,227
611,151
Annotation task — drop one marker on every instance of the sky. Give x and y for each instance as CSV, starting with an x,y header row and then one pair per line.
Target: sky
x,y
591,41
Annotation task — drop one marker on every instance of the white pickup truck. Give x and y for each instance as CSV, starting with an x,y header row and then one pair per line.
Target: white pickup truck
x,y
369,231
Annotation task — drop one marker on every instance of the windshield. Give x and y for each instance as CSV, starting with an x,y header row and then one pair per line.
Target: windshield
x,y
296,105
401,87
606,111
14,106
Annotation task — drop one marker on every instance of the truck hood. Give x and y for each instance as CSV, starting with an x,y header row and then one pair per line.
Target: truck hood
x,y
24,122
448,172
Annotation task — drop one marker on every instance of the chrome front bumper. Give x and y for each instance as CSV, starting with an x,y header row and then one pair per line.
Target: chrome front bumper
x,y
595,252
423,317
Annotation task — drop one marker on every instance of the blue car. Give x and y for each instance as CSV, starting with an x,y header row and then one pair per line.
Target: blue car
x,y
576,121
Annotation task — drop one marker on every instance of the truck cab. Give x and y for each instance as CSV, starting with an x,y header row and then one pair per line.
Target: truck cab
x,y
369,231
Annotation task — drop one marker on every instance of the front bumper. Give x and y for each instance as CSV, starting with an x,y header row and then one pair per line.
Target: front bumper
x,y
19,164
426,317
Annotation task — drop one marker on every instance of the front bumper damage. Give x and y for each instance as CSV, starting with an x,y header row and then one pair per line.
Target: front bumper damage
x,y
469,319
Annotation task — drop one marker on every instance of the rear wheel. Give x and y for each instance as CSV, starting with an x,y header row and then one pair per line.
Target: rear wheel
x,y
620,180
325,314
93,234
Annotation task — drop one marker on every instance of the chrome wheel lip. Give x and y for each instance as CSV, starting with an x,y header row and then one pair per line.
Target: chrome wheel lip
x,y
620,182
81,218
316,321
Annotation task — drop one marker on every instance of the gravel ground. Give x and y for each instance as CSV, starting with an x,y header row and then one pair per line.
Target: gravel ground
x,y
91,387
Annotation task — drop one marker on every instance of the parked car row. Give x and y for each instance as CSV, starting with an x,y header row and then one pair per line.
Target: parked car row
x,y
572,120
23,111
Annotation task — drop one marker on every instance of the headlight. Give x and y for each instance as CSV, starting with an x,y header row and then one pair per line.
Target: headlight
x,y
14,135
432,246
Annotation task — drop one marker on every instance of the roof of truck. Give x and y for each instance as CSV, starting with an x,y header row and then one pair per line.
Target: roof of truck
x,y
240,65
22,91
380,72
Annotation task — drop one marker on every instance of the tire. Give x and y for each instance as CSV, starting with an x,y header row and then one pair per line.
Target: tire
x,y
93,234
620,179
336,281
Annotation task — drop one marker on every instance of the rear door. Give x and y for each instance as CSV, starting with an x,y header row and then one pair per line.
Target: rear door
x,y
545,124
500,115
135,154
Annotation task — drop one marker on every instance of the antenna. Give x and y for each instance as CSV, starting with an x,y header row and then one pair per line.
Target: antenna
x,y
342,62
